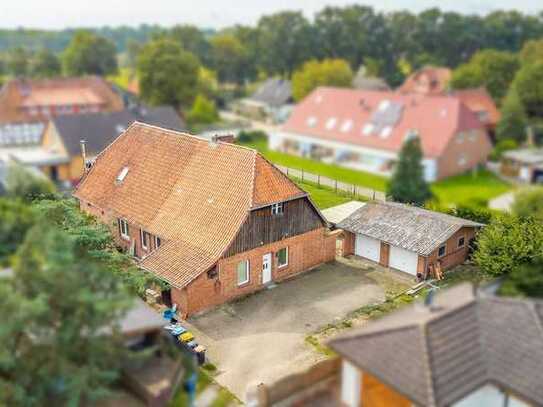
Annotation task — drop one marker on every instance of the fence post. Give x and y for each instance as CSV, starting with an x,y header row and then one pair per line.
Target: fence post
x,y
319,180
287,171
302,175
336,184
373,194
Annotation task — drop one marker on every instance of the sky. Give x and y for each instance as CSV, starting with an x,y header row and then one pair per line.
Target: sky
x,y
58,14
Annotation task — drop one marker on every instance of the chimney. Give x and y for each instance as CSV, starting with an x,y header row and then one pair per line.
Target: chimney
x,y
84,155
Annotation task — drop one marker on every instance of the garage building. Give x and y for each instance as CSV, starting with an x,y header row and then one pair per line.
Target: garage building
x,y
407,238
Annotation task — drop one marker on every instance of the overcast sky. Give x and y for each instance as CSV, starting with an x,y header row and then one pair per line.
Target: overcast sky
x,y
55,14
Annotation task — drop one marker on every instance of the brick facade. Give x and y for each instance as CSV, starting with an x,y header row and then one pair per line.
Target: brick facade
x,y
305,251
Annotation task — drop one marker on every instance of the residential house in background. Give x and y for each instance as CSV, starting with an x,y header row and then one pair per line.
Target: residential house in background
x,y
272,100
362,81
365,130
213,219
407,238
63,136
33,100
461,348
524,165
428,80
431,80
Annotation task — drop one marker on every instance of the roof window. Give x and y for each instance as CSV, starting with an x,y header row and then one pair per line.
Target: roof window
x,y
122,175
311,121
347,126
384,105
367,129
385,132
331,123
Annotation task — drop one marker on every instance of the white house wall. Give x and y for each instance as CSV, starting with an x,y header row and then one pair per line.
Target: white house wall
x,y
276,139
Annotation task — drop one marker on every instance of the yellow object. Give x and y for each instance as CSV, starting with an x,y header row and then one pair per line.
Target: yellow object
x,y
186,337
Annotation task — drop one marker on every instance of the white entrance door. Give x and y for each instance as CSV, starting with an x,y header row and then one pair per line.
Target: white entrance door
x,y
403,260
266,268
368,247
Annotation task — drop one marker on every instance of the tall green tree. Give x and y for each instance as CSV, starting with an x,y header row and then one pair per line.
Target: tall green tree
x,y
229,58
54,348
407,184
167,73
329,72
89,54
528,84
203,111
532,51
492,69
16,218
45,64
525,281
513,120
192,39
286,40
18,61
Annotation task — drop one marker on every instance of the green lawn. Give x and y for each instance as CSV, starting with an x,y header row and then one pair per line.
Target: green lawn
x,y
461,189
323,197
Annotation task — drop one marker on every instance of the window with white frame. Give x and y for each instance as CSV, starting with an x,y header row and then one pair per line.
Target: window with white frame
x,y
282,257
243,272
462,160
145,239
367,129
311,121
277,208
442,250
158,242
123,228
347,126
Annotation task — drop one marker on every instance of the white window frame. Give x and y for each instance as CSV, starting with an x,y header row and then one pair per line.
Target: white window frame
x,y
142,235
286,260
158,242
247,267
444,245
277,208
123,229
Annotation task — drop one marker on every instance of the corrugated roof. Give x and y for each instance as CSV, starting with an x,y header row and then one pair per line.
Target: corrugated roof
x,y
336,214
437,355
409,227
192,193
436,119
274,92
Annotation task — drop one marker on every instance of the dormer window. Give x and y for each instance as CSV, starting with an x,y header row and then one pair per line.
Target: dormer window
x,y
331,123
347,126
122,175
158,242
367,129
311,121
277,209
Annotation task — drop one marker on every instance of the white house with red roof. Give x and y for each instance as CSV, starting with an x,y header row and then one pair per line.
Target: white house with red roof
x,y
365,130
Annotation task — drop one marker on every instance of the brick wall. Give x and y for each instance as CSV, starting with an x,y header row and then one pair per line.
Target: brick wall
x,y
348,243
384,254
304,252
453,254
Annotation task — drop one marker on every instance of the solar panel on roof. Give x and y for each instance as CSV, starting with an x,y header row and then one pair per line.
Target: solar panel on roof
x,y
20,134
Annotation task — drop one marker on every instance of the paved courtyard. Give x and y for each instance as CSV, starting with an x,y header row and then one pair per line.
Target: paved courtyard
x,y
262,337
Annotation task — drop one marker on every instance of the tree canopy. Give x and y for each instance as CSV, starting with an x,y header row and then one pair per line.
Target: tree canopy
x,y
329,72
529,202
492,69
529,86
203,111
89,54
45,64
407,184
229,58
167,73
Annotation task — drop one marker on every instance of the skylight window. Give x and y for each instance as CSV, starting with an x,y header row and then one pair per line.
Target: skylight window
x,y
347,126
318,99
331,123
367,129
384,105
311,121
385,132
122,175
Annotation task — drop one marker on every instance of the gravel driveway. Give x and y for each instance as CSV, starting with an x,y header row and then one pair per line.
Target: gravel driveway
x,y
262,337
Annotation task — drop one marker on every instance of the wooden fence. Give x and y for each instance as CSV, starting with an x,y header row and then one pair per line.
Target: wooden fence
x,y
355,191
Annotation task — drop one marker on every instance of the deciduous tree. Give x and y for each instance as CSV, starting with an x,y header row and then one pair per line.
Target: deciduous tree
x,y
167,74
329,72
529,202
89,54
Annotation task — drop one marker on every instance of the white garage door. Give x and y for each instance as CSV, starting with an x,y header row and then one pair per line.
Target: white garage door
x,y
367,247
403,260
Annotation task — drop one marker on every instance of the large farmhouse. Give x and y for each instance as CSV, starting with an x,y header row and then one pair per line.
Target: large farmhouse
x,y
365,130
214,220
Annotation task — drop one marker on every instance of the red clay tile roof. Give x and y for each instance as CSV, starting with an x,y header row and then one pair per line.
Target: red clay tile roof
x,y
435,118
23,93
429,80
193,194
479,101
